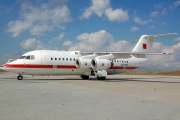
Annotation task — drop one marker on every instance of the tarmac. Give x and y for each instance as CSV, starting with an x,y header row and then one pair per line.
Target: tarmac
x,y
119,97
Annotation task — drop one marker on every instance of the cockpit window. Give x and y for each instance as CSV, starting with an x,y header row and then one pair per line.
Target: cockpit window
x,y
28,57
32,57
22,57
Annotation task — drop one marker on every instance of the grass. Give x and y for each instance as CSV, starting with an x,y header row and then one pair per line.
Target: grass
x,y
170,73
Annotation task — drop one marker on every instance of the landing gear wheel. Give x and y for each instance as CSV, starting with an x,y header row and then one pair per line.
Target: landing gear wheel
x,y
19,77
84,77
101,78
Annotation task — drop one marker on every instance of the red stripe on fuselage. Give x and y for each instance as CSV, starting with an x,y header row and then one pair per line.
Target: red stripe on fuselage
x,y
37,66
122,67
58,66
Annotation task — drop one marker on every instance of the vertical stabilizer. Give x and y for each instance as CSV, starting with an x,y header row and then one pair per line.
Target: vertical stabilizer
x,y
146,41
144,44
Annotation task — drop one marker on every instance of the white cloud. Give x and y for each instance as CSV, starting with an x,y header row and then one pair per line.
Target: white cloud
x,y
160,10
94,41
32,43
98,7
154,14
164,62
100,41
121,45
16,27
152,26
134,28
164,11
59,37
177,3
39,29
57,2
117,15
102,7
159,6
141,21
68,43
39,19
86,14
177,39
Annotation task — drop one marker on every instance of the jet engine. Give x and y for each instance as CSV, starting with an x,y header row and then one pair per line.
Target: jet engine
x,y
83,63
101,64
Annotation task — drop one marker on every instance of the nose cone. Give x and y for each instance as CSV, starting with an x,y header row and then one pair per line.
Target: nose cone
x,y
9,67
15,66
1,69
4,68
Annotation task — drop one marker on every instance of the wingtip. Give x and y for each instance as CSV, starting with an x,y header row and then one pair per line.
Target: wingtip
x,y
170,34
167,53
174,33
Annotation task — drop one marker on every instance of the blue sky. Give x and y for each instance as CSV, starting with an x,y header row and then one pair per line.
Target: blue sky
x,y
89,25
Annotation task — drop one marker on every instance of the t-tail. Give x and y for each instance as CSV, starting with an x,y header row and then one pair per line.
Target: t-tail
x,y
144,44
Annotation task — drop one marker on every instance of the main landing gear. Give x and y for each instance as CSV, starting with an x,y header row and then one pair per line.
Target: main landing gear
x,y
20,77
100,75
101,78
84,77
87,77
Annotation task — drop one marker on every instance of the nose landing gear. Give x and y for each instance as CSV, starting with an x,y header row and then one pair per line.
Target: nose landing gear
x,y
20,77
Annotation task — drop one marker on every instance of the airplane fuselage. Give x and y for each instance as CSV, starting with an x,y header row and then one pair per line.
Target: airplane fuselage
x,y
49,62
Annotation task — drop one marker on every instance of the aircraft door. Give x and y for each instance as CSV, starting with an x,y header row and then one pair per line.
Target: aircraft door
x,y
44,59
25,62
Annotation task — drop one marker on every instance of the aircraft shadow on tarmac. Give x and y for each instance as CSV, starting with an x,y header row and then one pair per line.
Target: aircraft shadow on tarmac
x,y
155,80
152,79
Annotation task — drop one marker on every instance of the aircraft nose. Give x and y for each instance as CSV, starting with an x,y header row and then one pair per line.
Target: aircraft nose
x,y
1,69
4,68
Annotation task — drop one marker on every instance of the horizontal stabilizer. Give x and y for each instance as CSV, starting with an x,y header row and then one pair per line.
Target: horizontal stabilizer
x,y
161,35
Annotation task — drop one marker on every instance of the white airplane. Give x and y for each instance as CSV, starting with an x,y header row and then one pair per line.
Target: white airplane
x,y
84,64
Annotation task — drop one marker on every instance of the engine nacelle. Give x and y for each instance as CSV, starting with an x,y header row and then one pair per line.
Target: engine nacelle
x,y
83,63
101,64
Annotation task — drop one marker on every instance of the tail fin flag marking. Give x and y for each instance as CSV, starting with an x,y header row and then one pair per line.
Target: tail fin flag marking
x,y
144,46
